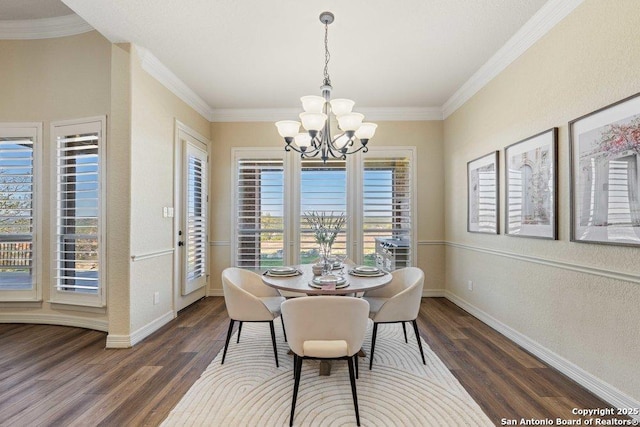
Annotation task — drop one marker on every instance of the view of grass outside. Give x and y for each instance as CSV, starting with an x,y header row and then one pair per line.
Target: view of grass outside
x,y
16,216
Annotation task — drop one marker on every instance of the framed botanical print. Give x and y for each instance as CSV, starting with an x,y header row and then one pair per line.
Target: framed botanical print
x,y
531,186
482,194
605,179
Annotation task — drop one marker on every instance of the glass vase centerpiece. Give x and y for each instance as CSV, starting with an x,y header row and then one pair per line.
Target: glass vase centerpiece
x,y
325,227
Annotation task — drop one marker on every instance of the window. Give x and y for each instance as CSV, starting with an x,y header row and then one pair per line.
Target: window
x,y
375,191
386,203
323,187
78,229
259,212
19,172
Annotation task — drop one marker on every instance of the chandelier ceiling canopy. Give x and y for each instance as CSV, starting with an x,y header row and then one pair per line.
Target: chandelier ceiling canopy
x,y
316,119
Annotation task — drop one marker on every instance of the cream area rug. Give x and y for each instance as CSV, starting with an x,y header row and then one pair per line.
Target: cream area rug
x,y
248,390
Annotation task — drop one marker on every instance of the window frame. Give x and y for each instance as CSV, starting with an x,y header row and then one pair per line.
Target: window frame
x,y
84,125
354,205
30,130
391,152
242,153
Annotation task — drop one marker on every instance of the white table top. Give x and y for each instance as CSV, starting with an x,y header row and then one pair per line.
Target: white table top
x,y
300,283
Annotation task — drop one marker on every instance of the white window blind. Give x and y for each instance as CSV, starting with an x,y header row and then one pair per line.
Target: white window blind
x,y
16,213
78,205
196,217
386,204
259,213
323,188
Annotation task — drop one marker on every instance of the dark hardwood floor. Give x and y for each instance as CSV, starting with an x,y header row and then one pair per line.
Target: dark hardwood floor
x,y
56,375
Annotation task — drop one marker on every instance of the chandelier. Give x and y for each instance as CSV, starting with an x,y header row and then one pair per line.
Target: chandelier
x,y
316,120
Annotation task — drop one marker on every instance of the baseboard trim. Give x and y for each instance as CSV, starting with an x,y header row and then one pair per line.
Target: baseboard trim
x,y
595,385
126,341
56,319
433,293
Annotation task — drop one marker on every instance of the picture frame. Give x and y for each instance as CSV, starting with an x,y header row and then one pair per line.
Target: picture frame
x,y
483,193
604,149
531,186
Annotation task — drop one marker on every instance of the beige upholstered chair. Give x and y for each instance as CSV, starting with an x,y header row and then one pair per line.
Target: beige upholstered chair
x,y
397,302
248,299
325,327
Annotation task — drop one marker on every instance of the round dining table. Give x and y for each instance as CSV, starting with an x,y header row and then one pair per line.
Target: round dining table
x,y
301,282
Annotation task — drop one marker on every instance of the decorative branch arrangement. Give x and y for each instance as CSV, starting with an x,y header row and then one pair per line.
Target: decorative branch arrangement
x,y
325,226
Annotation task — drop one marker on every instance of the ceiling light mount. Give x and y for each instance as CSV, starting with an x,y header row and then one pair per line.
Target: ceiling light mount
x,y
316,120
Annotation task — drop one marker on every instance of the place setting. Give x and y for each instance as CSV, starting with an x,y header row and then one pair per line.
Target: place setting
x,y
284,271
366,271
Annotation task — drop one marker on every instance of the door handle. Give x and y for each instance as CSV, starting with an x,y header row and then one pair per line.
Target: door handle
x,y
180,243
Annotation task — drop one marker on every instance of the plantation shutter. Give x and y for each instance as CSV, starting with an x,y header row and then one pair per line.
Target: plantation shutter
x,y
196,244
323,188
16,212
77,261
259,213
386,204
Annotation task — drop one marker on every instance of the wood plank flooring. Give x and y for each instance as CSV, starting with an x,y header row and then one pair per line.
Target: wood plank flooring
x,y
58,376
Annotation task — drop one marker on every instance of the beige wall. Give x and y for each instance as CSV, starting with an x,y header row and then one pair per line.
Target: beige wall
x,y
587,61
154,112
426,136
82,76
44,81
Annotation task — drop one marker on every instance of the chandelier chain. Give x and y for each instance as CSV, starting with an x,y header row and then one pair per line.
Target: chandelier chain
x,y
327,56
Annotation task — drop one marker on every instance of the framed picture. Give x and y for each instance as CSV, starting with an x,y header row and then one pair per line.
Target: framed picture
x,y
605,180
531,186
482,194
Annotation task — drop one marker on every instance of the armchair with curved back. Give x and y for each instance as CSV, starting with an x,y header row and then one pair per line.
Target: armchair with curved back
x,y
397,302
325,327
248,299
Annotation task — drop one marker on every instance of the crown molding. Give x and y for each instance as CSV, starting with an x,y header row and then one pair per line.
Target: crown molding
x,y
165,76
275,114
46,28
540,24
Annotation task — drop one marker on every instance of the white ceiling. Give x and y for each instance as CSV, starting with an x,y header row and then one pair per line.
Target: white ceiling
x,y
265,54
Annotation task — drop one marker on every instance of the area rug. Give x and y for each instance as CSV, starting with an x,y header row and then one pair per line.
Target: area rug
x,y
248,390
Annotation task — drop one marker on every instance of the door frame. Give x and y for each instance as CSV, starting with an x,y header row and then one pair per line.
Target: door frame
x,y
180,301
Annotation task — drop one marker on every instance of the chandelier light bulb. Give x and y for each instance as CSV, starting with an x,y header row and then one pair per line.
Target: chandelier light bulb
x,y
366,131
341,141
302,140
313,121
340,107
350,122
313,103
288,128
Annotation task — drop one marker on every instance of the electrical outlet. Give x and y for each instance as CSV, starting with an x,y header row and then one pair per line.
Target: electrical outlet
x,y
470,285
156,298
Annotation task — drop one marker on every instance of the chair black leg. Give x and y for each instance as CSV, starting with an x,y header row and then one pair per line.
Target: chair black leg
x,y
352,378
355,360
273,341
297,369
373,343
404,329
239,330
226,344
283,330
415,329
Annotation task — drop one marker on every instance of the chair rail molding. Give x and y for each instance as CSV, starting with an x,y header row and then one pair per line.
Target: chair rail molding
x,y
603,272
150,255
